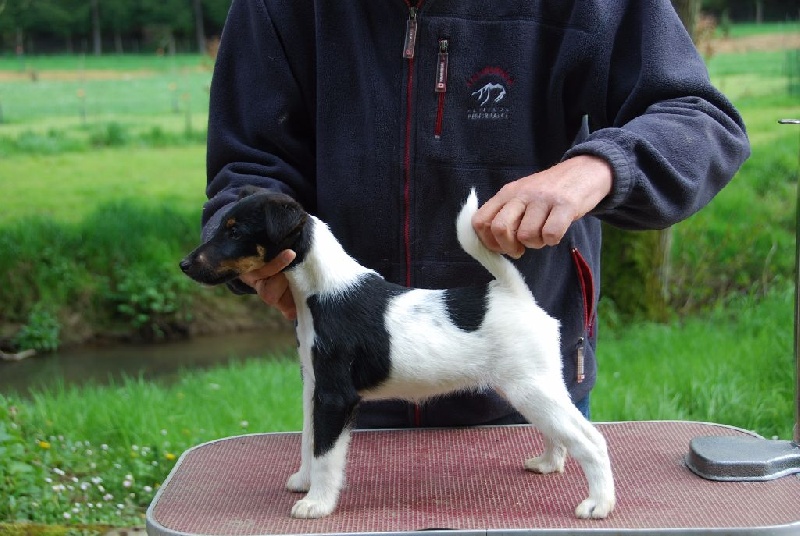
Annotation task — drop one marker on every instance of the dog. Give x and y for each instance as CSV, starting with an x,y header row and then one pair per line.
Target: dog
x,y
363,338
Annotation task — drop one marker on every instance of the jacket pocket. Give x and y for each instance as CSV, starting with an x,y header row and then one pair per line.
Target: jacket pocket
x,y
586,282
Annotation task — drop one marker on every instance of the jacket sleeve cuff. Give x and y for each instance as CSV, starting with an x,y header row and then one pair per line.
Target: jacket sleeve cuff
x,y
621,166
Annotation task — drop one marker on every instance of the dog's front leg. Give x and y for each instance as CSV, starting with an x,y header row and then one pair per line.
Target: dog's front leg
x,y
333,413
300,481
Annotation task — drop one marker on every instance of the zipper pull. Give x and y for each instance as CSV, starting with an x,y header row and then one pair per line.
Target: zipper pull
x,y
579,369
411,33
441,67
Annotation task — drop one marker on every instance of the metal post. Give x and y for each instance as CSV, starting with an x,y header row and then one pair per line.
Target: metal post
x,y
796,435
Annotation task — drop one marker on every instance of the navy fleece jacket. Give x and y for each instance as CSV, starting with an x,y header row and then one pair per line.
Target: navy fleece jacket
x,y
379,115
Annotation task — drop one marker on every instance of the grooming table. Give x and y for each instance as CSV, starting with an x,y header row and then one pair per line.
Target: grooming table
x,y
470,480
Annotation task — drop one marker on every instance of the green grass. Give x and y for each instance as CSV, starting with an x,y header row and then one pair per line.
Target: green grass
x,y
66,187
750,29
73,93
106,62
733,365
99,454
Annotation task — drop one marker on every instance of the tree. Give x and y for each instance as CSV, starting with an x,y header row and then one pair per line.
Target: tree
x,y
97,34
118,16
200,33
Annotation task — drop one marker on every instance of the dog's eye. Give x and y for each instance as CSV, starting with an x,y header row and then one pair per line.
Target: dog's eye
x,y
234,234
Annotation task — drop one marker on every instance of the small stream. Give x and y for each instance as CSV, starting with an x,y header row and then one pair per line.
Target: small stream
x,y
105,364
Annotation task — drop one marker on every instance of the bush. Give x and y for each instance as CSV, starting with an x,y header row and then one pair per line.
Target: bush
x,y
119,263
41,332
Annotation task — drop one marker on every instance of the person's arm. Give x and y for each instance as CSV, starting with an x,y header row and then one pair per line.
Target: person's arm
x,y
672,139
669,139
260,129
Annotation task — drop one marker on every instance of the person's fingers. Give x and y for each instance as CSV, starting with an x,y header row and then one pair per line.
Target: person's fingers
x,y
272,286
556,225
275,292
504,227
287,306
545,223
537,210
273,267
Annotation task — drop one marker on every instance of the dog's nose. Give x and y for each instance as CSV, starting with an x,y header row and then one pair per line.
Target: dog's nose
x,y
185,265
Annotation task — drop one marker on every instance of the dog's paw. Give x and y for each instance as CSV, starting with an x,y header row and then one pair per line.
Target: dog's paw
x,y
545,465
299,482
594,509
310,509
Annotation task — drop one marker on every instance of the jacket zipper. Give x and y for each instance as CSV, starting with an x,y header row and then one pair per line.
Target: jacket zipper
x,y
411,32
441,85
409,50
409,46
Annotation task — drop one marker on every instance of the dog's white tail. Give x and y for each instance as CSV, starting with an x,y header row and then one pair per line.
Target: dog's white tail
x,y
500,267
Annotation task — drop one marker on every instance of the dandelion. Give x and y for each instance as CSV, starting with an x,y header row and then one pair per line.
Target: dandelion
x,y
170,456
44,444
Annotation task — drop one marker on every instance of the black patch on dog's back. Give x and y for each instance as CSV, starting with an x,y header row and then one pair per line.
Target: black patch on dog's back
x,y
350,353
466,307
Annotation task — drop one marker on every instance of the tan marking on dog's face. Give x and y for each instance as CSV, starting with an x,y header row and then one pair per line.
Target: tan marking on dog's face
x,y
230,223
242,265
261,251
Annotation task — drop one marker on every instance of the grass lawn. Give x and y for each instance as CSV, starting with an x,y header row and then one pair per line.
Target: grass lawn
x,y
67,186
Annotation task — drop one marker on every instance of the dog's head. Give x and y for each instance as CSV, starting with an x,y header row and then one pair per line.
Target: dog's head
x,y
255,229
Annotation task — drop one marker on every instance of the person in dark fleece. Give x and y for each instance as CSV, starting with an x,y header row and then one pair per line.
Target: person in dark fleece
x,y
378,117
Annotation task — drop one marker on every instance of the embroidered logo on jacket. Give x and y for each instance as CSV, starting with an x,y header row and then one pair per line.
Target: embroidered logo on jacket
x,y
489,91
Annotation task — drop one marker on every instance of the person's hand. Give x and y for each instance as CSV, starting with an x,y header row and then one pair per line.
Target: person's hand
x,y
271,284
536,211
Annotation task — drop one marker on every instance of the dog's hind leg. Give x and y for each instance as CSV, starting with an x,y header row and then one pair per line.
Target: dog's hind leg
x,y
551,460
551,411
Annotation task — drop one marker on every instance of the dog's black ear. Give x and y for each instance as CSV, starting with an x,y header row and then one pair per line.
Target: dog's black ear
x,y
286,220
249,190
